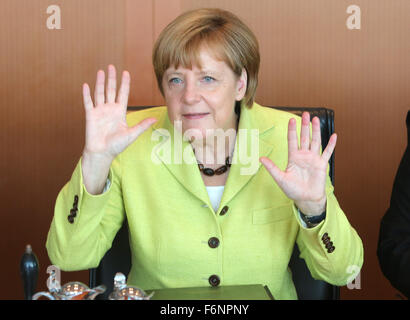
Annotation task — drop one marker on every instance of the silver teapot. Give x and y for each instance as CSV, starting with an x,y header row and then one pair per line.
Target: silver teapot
x,y
74,290
124,292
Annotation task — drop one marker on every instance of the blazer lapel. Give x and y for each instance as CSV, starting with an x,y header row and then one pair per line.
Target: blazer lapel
x,y
178,157
253,142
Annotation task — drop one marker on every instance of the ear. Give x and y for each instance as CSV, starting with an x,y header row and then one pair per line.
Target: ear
x,y
241,85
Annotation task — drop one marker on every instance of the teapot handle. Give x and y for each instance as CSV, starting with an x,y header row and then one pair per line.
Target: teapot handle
x,y
96,291
43,294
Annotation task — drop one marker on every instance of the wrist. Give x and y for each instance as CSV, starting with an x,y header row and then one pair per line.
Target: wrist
x,y
95,170
312,208
97,157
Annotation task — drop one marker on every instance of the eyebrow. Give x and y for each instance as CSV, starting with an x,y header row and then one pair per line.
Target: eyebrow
x,y
208,71
174,73
202,72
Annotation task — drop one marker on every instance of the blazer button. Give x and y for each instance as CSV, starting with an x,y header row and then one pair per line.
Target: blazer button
x,y
331,249
214,280
73,212
224,210
70,219
75,199
325,236
213,242
326,241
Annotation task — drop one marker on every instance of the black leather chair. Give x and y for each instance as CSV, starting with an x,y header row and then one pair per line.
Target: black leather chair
x,y
308,288
118,258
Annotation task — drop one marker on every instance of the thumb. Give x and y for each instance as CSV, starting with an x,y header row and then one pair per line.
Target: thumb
x,y
274,171
140,127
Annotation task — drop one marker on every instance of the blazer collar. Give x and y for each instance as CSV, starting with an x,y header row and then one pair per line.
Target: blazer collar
x,y
252,142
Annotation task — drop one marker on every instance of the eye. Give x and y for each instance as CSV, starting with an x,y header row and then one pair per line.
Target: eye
x,y
208,79
175,81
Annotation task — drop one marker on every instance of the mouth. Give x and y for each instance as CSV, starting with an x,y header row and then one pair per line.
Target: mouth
x,y
195,115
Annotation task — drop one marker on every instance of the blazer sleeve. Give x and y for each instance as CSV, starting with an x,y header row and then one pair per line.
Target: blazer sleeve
x,y
332,250
393,249
80,242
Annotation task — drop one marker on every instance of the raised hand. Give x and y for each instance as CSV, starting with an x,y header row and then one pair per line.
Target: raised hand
x,y
107,133
304,179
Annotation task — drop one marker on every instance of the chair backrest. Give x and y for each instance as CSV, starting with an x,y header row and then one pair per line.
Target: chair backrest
x,y
118,258
308,288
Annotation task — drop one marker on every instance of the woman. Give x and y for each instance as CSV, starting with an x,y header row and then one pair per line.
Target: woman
x,y
199,212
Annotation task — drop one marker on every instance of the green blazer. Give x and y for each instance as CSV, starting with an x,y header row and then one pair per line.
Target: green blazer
x,y
171,219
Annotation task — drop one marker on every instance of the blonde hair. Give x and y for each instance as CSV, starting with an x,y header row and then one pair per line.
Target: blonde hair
x,y
228,38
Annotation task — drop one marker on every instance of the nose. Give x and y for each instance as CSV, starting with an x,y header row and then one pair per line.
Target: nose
x,y
191,93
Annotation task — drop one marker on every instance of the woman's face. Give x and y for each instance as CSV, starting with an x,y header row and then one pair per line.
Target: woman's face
x,y
203,99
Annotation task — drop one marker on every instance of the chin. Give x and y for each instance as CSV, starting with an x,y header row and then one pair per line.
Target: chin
x,y
197,133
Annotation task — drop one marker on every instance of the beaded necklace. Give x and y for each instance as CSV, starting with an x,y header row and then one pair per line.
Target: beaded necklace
x,y
210,172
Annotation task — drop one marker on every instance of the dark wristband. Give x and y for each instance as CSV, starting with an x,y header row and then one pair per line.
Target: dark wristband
x,y
311,221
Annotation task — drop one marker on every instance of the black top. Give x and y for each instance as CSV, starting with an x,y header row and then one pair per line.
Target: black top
x,y
394,239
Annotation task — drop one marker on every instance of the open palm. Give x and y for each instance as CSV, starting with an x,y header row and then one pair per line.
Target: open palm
x,y
107,132
304,178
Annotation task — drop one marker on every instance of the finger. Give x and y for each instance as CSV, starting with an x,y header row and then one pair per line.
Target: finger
x,y
124,89
305,131
316,136
99,88
139,128
111,84
88,103
327,153
292,136
274,171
